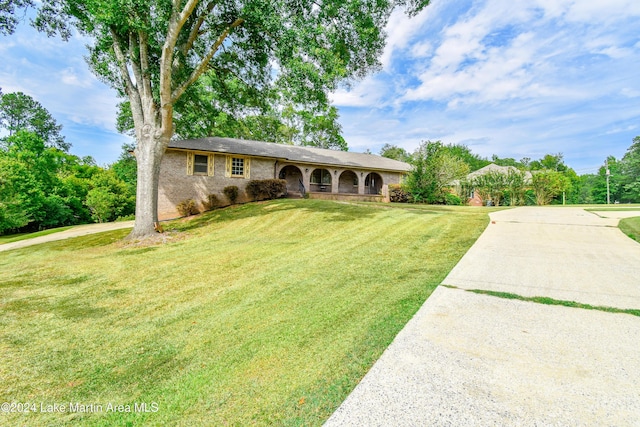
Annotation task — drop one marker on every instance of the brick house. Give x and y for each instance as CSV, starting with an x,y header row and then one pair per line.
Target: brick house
x,y
473,198
195,168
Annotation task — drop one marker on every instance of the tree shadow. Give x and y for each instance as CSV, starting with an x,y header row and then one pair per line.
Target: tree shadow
x,y
337,212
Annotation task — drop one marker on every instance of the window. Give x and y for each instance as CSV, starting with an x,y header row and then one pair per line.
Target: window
x,y
321,176
200,164
237,166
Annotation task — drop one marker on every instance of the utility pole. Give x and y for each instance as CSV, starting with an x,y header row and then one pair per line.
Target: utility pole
x,y
608,175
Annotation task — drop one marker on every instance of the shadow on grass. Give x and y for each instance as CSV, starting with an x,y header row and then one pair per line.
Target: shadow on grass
x,y
335,211
73,307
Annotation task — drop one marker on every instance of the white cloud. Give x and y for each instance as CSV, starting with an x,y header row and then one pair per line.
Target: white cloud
x,y
401,30
369,92
71,77
630,92
602,12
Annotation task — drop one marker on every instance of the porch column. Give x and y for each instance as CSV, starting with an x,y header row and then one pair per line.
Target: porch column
x,y
335,179
361,176
306,178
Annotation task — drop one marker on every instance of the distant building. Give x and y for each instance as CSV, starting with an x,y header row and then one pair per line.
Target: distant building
x,y
473,198
195,168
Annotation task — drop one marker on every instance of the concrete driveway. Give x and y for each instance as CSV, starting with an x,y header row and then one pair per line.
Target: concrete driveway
x,y
562,253
77,231
470,359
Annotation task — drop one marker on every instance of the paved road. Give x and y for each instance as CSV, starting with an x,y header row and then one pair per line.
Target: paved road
x,y
80,230
470,359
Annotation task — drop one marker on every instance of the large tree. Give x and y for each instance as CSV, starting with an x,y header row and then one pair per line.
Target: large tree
x,y
153,52
434,170
19,111
631,171
394,152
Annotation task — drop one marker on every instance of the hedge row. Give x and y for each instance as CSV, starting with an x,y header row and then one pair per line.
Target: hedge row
x,y
266,189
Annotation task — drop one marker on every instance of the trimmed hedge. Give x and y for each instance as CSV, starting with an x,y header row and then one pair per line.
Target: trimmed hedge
x,y
187,207
231,192
211,202
266,189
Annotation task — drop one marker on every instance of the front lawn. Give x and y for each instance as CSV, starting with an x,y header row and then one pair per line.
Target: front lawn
x,y
9,238
259,314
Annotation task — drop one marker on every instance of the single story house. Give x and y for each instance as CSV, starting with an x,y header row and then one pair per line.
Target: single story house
x,y
196,168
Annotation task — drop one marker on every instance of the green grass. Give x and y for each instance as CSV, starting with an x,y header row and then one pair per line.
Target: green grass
x,y
24,236
258,314
613,208
631,227
551,301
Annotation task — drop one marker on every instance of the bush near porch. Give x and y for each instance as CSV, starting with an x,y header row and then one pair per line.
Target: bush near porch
x,y
266,189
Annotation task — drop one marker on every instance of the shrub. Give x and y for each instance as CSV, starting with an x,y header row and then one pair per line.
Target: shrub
x,y
254,189
452,199
397,194
187,207
231,192
210,202
266,189
529,198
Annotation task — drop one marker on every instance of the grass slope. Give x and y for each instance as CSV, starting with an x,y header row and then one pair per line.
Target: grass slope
x,y
259,314
631,227
24,236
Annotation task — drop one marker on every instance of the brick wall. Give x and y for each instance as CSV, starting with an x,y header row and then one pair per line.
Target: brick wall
x,y
176,186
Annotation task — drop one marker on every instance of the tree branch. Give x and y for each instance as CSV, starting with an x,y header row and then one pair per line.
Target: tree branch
x,y
143,39
166,60
122,64
195,31
135,62
205,61
131,89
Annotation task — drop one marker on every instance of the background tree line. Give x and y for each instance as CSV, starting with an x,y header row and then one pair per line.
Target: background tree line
x,y
439,176
42,185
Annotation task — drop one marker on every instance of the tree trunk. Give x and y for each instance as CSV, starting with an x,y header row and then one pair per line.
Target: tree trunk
x,y
149,153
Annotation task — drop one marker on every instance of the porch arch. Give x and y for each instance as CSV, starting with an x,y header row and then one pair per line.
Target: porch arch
x,y
293,175
320,180
373,184
348,182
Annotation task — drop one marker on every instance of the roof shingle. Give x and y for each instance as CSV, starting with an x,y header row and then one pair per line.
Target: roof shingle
x,y
291,153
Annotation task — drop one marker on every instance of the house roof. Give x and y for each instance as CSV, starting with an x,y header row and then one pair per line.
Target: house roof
x,y
492,167
291,153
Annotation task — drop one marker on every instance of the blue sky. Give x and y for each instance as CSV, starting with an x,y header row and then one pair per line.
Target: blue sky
x,y
514,78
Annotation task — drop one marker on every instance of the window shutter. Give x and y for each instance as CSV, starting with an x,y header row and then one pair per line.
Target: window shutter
x,y
189,162
210,165
227,171
247,168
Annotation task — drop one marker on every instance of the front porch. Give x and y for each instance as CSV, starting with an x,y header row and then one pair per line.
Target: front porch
x,y
335,183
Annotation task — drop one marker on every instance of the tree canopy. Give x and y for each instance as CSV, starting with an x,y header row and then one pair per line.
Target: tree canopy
x,y
19,111
153,53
